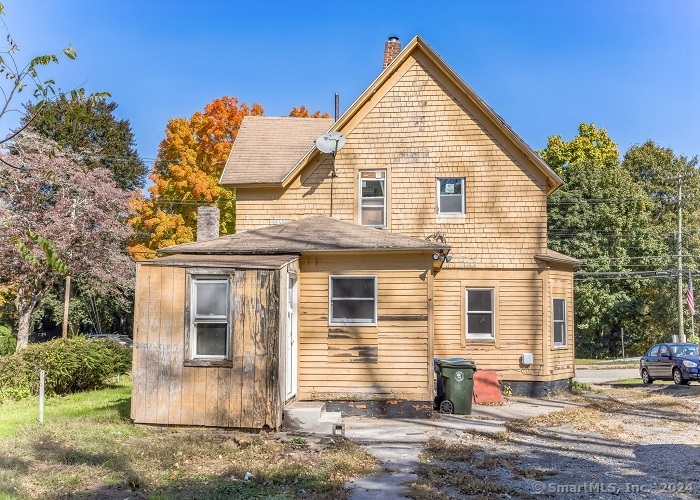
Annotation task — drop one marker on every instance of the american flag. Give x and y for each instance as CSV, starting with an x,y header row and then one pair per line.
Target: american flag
x,y
689,299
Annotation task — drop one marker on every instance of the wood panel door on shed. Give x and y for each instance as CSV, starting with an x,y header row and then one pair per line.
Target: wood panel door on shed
x,y
291,344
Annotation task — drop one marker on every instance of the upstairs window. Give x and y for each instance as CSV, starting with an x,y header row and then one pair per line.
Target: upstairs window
x,y
353,300
209,318
373,198
559,315
451,196
480,313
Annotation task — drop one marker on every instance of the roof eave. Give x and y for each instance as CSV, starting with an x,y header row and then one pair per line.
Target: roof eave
x,y
559,260
243,185
356,105
174,251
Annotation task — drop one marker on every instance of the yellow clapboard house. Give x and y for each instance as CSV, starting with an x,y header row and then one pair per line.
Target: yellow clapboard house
x,y
424,236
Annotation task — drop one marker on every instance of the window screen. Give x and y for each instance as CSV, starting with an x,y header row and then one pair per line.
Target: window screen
x,y
451,196
353,299
373,198
210,327
480,324
559,315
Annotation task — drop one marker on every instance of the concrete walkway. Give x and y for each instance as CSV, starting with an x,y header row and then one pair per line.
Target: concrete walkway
x,y
396,443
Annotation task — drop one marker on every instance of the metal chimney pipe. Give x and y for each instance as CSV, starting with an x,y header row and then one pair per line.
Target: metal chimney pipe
x,y
337,106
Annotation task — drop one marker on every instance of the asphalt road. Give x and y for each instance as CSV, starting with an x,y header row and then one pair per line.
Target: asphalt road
x,y
603,376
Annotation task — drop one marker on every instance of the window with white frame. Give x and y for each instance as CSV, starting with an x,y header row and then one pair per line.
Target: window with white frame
x,y
559,326
480,313
209,318
373,198
352,300
450,196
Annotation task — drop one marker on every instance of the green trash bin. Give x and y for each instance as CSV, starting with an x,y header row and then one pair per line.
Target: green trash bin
x,y
458,385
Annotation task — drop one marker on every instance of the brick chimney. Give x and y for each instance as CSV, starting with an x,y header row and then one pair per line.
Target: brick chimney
x,y
392,47
207,223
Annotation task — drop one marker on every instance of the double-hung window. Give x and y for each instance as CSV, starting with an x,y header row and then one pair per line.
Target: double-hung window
x,y
559,325
373,198
480,313
209,318
450,196
352,300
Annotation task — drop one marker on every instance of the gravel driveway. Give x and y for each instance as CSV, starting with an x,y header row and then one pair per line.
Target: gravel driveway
x,y
627,443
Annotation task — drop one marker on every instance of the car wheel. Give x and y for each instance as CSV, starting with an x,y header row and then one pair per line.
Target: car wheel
x,y
645,377
678,377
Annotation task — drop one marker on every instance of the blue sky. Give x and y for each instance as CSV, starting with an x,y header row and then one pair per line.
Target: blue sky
x,y
631,67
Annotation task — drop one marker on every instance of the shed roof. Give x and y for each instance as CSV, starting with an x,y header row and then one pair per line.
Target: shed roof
x,y
267,148
312,234
552,256
231,261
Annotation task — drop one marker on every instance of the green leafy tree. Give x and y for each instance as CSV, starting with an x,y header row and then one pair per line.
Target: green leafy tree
x,y
89,127
603,216
656,170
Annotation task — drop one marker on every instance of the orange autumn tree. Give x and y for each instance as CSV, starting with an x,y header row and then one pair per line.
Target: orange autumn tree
x,y
302,112
186,174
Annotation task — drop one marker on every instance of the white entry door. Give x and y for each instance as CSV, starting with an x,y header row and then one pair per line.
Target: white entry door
x,y
291,343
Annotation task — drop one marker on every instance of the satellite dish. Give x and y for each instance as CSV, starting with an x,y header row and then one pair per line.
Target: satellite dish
x,y
331,142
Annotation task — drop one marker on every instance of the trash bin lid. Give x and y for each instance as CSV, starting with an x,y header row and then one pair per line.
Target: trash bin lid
x,y
457,363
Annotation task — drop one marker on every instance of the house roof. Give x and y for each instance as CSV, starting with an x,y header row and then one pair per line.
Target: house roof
x,y
552,256
224,261
282,179
267,148
312,234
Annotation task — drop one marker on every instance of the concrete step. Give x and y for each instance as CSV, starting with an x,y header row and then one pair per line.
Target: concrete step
x,y
310,416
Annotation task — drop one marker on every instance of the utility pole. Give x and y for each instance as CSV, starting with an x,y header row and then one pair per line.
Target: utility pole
x,y
622,331
66,303
681,332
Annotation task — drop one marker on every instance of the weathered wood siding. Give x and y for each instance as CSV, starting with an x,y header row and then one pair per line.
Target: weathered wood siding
x,y
166,392
561,359
391,360
518,321
420,128
523,322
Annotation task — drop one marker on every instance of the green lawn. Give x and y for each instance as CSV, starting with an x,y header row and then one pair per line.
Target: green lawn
x,y
111,404
636,381
88,447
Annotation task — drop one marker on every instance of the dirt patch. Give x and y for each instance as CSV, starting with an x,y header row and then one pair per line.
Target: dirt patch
x,y
629,442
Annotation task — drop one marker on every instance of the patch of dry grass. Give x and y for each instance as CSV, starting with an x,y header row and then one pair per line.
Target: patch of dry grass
x,y
452,465
438,450
100,453
433,480
620,414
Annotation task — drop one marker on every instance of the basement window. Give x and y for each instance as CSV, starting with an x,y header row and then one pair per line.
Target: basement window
x,y
352,300
450,196
480,313
209,318
373,198
559,325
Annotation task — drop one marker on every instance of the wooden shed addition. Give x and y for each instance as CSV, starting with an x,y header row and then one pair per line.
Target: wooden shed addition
x,y
209,340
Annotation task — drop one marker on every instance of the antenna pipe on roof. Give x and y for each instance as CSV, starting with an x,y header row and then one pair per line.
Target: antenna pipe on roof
x,y
337,105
